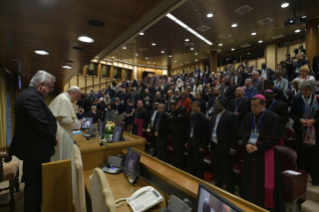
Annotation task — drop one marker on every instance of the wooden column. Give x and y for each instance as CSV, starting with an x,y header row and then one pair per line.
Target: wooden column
x,y
312,39
111,72
169,70
213,61
99,70
122,73
85,70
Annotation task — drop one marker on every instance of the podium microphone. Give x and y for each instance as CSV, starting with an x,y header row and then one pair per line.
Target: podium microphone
x,y
121,167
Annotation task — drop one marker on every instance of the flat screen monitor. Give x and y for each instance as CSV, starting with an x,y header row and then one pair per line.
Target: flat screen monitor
x,y
209,200
87,122
101,128
117,134
132,163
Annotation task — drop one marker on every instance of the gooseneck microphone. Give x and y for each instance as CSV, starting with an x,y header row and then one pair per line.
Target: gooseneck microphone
x,y
121,167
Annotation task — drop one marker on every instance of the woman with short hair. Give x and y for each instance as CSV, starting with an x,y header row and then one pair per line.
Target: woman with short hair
x,y
281,82
304,73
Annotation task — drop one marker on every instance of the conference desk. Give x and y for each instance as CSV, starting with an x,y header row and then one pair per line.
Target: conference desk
x,y
178,182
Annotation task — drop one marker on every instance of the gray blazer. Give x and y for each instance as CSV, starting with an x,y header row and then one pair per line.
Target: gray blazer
x,y
283,85
110,115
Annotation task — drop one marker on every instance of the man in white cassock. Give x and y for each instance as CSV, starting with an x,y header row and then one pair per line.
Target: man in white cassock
x,y
64,113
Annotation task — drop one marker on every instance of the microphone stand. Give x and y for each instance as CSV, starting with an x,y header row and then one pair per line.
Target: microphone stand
x,y
166,202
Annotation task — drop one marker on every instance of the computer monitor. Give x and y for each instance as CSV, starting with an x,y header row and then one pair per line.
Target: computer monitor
x,y
132,163
101,128
209,200
117,134
87,122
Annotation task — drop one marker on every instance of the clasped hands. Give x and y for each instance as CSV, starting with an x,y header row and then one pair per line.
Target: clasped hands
x,y
307,122
251,148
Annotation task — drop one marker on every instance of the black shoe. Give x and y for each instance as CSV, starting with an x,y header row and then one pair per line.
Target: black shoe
x,y
315,182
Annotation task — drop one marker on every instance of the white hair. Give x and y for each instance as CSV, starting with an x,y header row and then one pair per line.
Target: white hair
x,y
41,76
74,89
255,72
248,80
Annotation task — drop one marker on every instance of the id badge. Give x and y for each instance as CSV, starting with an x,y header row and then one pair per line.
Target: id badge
x,y
147,102
214,135
105,109
192,131
253,138
117,112
297,70
122,101
211,110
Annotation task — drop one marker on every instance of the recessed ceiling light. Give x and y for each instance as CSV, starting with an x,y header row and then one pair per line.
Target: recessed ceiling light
x,y
297,30
260,41
85,39
234,61
41,52
220,44
67,66
175,61
141,33
192,49
209,15
113,57
196,53
186,40
181,64
196,60
41,70
232,49
124,47
284,5
226,58
146,58
154,63
153,44
234,25
136,54
254,33
248,52
291,21
162,52
170,56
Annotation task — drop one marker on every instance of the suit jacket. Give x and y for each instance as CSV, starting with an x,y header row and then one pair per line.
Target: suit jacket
x,y
279,95
35,127
226,132
269,73
230,92
200,125
244,108
241,79
163,126
259,86
178,120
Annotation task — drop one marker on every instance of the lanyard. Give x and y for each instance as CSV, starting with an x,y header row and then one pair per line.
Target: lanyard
x,y
237,105
279,84
259,123
303,105
272,105
194,122
296,94
210,99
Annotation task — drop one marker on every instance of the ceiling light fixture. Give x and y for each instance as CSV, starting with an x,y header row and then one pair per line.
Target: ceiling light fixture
x,y
141,33
196,60
297,30
67,66
284,5
226,58
233,49
173,18
41,52
260,41
146,58
154,63
153,44
175,61
209,15
85,39
113,57
136,54
248,52
124,47
170,56
162,52
192,49
234,25
220,44
186,40
196,53
254,33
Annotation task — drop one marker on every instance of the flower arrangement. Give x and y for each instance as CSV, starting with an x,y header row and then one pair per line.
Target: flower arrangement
x,y
109,127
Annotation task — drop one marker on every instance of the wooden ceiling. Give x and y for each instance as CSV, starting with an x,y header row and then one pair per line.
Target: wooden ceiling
x,y
170,37
54,25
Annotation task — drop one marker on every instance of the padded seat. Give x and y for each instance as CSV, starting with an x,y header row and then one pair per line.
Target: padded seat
x,y
10,169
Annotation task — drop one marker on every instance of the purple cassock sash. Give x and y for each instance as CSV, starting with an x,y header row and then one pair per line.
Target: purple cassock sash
x,y
139,123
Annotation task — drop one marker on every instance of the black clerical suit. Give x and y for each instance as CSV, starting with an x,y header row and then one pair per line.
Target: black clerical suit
x,y
240,107
211,109
178,121
161,127
33,142
281,109
229,92
279,94
225,126
148,104
202,105
197,136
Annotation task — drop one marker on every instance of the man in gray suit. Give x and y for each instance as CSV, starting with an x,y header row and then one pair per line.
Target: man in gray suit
x,y
266,73
257,83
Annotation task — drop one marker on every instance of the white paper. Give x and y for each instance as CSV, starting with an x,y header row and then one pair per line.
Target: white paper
x,y
292,172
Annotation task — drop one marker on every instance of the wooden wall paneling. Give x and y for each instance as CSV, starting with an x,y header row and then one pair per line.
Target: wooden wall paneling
x,y
259,62
77,80
84,70
99,70
111,72
122,73
66,87
251,62
57,185
81,81
85,80
281,54
271,56
73,81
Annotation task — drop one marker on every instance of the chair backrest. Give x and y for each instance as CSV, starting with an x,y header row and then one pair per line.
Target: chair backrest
x,y
78,185
287,158
101,194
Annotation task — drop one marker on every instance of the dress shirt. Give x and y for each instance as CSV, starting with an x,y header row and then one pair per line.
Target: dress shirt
x,y
264,74
153,118
216,125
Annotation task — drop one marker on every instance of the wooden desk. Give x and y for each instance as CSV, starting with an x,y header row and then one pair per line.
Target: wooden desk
x,y
94,155
121,189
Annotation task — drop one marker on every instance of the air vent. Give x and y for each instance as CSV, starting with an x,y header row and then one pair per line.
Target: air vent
x,y
132,41
189,44
277,36
203,28
245,45
244,9
143,49
265,21
225,36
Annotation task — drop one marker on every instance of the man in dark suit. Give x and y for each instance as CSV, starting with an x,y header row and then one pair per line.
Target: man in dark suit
x,y
223,145
178,121
34,136
198,97
240,105
161,132
197,136
277,92
147,100
229,90
158,98
266,73
239,80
